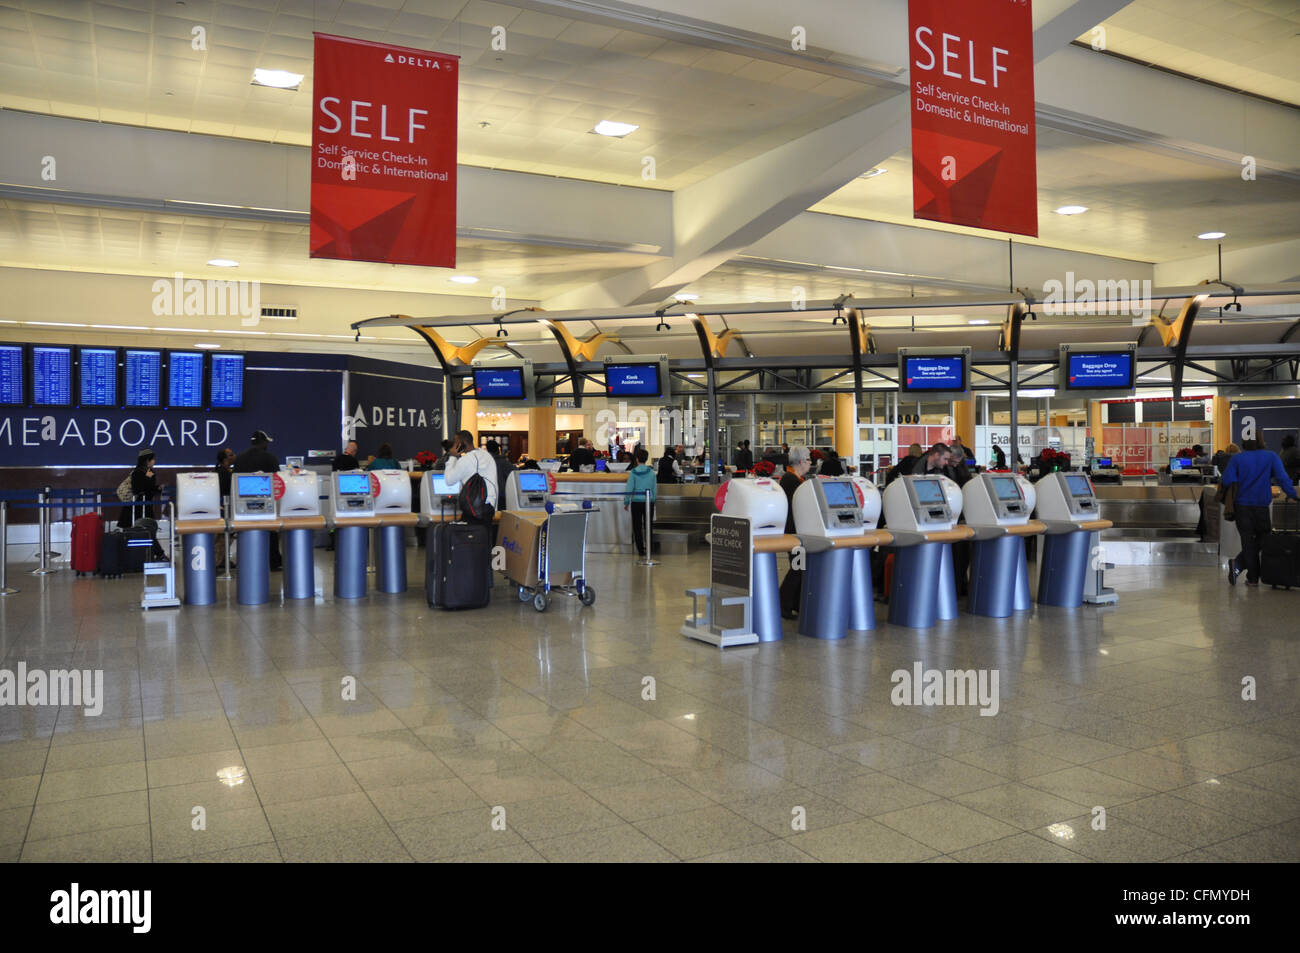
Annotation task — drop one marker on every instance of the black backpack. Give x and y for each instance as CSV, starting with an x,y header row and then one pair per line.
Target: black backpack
x,y
473,500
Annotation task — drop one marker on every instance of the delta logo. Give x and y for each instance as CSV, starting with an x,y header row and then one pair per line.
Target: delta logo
x,y
909,381
418,62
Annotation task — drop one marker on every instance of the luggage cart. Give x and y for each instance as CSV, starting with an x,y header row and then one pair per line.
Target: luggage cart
x,y
562,549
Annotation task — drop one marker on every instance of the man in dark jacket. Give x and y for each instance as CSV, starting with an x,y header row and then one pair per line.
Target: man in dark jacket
x,y
504,466
347,460
744,457
583,456
1254,470
258,459
795,471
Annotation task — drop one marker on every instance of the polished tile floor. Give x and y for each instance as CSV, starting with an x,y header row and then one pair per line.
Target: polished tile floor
x,y
508,735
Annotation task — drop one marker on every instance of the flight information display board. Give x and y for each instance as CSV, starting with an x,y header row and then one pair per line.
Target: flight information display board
x,y
143,378
226,390
51,376
98,372
184,379
11,374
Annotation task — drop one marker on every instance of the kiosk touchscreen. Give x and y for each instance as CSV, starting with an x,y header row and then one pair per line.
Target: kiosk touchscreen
x,y
394,494
198,496
828,507
436,494
351,495
527,490
253,497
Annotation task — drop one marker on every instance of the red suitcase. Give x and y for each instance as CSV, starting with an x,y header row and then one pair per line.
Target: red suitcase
x,y
87,539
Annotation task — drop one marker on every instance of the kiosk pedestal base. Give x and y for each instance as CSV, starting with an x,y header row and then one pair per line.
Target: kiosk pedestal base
x,y
824,602
254,573
200,584
946,600
913,592
766,595
994,575
862,599
1023,600
1064,568
351,546
299,567
390,560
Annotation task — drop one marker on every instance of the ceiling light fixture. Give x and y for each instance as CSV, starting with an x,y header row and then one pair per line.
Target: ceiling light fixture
x,y
1072,210
223,263
207,347
686,296
873,173
615,130
277,78
1211,236
464,279
978,321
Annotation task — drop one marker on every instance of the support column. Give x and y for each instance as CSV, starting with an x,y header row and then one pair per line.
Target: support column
x,y
1094,427
846,426
963,421
1221,424
541,432
469,417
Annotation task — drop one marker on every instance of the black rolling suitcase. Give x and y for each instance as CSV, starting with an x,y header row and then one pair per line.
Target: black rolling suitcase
x,y
1279,556
457,566
137,548
112,555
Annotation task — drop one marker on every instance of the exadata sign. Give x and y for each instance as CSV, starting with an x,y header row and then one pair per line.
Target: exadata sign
x,y
973,133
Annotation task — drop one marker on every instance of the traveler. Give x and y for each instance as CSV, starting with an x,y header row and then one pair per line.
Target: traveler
x,y
955,469
669,470
1253,471
504,466
583,456
744,457
144,486
1223,456
225,459
999,458
1291,458
785,455
831,465
347,460
795,471
933,460
441,462
465,460
258,459
639,479
384,460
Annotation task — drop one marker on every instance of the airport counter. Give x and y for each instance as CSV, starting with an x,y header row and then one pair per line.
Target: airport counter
x,y
684,507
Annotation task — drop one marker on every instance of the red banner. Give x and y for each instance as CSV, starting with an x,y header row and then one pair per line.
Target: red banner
x,y
383,175
973,143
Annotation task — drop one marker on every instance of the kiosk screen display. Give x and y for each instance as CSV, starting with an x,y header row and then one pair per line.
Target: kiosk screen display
x,y
1180,463
51,376
255,484
184,379
1104,463
532,481
936,372
839,494
98,377
1100,371
928,492
226,392
632,380
353,483
11,374
143,378
601,467
442,488
1006,489
1078,484
506,383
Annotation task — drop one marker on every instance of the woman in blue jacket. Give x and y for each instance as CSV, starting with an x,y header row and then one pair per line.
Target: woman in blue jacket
x,y
639,479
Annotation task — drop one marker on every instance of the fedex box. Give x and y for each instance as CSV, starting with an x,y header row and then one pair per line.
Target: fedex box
x,y
520,535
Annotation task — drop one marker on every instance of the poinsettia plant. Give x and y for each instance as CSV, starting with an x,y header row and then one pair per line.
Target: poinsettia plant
x,y
764,468
425,459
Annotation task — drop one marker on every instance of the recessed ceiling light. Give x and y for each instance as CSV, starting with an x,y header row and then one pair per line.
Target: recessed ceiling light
x,y
223,263
276,78
978,321
873,173
464,279
686,296
1211,236
207,347
615,130
1072,210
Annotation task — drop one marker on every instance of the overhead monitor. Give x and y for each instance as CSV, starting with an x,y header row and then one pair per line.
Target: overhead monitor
x,y
934,373
502,382
12,379
226,381
143,378
637,377
184,379
97,372
51,376
1106,370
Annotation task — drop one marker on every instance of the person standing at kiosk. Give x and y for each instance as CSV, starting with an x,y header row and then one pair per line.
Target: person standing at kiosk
x,y
504,467
795,471
464,460
258,459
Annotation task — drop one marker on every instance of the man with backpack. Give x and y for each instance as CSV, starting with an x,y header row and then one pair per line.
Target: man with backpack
x,y
464,462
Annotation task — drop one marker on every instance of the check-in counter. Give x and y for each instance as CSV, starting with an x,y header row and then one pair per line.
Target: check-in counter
x,y
764,504
253,517
1150,511
922,513
835,518
198,519
353,498
995,507
1068,506
392,490
300,520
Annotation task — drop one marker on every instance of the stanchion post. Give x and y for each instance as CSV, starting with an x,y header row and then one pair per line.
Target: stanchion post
x,y
42,524
225,569
5,590
49,526
649,559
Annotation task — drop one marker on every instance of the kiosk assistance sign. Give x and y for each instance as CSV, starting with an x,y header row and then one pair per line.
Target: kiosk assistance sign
x,y
972,92
383,153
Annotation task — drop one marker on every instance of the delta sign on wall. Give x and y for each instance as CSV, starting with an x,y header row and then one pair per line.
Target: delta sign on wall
x,y
383,174
972,94
396,404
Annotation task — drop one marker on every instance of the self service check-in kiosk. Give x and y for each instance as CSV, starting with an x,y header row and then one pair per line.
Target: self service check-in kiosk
x,y
922,512
437,496
995,507
527,490
300,518
763,503
1067,504
198,518
830,520
354,517
253,517
393,510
